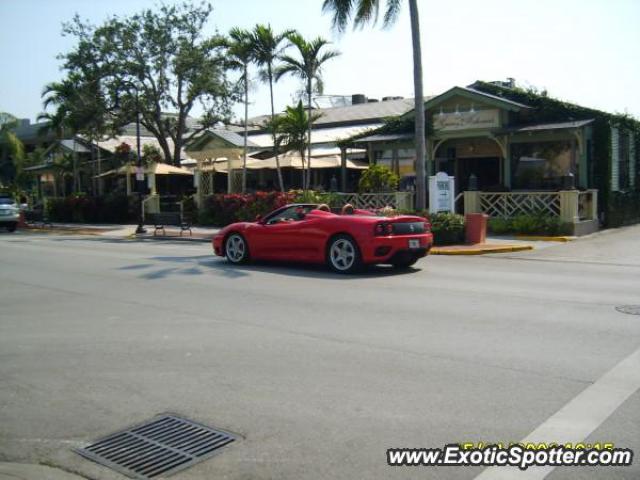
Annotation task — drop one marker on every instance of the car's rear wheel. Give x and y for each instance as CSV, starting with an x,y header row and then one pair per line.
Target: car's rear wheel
x,y
405,262
12,227
343,255
236,249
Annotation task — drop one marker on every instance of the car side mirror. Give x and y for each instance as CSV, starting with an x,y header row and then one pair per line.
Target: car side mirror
x,y
259,218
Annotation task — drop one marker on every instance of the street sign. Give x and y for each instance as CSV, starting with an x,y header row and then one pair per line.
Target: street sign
x,y
139,174
441,193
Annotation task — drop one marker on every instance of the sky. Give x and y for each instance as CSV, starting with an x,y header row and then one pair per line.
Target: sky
x,y
583,51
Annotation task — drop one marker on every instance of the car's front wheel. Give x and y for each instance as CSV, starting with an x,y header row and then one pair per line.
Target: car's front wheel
x,y
235,248
12,227
343,255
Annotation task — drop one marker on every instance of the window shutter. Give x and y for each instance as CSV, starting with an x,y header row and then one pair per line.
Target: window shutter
x,y
615,160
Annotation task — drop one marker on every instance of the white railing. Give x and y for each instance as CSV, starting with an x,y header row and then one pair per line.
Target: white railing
x,y
150,204
571,206
512,204
372,201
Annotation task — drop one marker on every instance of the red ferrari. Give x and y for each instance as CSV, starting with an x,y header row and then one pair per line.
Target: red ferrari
x,y
302,233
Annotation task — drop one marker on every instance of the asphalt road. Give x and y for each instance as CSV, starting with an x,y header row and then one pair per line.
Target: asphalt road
x,y
318,373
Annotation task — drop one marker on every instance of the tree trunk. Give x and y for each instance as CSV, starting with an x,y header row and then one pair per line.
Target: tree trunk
x,y
308,183
246,127
421,190
273,116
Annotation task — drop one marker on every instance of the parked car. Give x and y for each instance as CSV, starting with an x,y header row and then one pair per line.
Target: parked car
x,y
345,242
9,213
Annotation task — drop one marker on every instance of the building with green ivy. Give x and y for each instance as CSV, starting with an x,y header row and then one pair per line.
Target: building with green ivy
x,y
496,138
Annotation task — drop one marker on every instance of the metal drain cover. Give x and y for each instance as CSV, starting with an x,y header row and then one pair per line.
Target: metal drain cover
x,y
161,446
629,309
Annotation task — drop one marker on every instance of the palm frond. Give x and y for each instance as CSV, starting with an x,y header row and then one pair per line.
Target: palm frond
x,y
366,12
392,12
341,11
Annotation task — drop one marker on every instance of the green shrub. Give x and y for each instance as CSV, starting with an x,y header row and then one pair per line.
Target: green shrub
x,y
312,196
535,224
447,228
378,178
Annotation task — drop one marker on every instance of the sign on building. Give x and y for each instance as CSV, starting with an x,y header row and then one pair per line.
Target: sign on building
x,y
466,120
441,193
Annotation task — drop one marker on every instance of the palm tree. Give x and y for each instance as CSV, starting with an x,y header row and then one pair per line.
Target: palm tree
x,y
240,51
308,67
366,11
10,147
61,95
291,130
267,46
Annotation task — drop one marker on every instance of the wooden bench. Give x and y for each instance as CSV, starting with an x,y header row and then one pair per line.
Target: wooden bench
x,y
174,219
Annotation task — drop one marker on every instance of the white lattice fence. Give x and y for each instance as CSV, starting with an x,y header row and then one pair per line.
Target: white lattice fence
x,y
373,201
511,204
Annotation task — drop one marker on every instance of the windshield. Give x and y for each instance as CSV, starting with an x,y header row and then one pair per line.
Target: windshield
x,y
290,214
6,201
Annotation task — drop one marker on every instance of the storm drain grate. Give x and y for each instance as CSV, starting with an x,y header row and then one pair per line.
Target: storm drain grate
x,y
161,446
629,309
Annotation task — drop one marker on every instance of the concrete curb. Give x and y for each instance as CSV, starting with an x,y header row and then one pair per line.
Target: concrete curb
x,y
539,238
171,238
27,471
479,250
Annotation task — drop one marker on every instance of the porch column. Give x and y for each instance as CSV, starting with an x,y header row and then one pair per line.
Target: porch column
x,y
569,206
151,182
343,169
428,157
507,164
472,202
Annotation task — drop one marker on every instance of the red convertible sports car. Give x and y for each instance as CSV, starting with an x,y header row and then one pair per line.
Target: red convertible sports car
x,y
346,242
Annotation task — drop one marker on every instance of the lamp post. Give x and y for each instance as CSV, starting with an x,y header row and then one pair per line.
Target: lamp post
x,y
139,182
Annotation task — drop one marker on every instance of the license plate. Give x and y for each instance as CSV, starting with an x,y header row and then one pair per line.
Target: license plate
x,y
414,243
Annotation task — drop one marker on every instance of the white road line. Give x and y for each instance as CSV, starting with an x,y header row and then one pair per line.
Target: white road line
x,y
574,422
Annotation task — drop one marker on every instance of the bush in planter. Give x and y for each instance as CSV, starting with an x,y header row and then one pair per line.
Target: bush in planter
x,y
447,228
534,224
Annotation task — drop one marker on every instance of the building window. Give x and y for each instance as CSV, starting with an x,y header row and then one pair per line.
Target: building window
x,y
623,160
542,165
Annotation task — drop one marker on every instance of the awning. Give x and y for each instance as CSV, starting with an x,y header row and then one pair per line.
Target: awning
x,y
294,160
156,169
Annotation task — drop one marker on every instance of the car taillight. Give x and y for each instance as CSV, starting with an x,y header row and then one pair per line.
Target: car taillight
x,y
389,229
383,229
427,227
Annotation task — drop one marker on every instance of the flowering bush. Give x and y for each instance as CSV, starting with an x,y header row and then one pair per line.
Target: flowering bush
x,y
223,209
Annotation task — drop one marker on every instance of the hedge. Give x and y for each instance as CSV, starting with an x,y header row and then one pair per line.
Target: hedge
x,y
85,209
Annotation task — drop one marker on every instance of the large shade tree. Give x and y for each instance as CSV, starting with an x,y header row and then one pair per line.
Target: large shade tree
x,y
306,63
160,63
362,12
267,47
